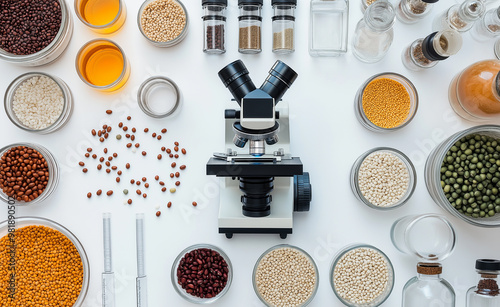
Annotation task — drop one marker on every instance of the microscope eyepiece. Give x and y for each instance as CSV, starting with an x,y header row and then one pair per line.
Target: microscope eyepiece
x,y
235,77
280,78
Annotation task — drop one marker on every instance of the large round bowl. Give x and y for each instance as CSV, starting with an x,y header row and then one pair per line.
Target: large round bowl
x,y
38,221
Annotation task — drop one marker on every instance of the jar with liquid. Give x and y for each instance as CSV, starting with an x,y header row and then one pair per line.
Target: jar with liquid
x,y
328,27
411,11
214,25
460,17
486,293
250,22
284,26
488,27
428,288
474,93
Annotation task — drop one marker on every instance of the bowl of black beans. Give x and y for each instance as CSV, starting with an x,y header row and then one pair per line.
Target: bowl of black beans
x,y
462,175
202,274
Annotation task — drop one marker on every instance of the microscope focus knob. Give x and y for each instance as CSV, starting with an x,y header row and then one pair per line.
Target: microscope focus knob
x,y
302,192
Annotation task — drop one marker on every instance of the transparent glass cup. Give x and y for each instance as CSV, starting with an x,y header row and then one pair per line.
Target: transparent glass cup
x,y
90,13
159,97
429,237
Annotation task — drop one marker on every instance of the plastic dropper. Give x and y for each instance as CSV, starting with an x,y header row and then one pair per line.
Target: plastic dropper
x,y
141,281
108,277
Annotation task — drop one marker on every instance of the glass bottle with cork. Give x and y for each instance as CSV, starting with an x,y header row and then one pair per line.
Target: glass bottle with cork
x,y
328,27
474,93
428,288
374,33
284,26
411,11
214,26
460,17
427,52
250,22
486,293
488,27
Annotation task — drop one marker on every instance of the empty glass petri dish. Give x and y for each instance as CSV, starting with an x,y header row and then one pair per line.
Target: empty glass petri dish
x,y
158,97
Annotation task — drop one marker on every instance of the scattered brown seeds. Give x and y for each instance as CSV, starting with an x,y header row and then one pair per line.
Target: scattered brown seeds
x,y
108,170
146,130
108,129
101,159
172,175
132,181
168,150
127,166
109,193
101,140
120,124
162,183
87,155
115,154
163,148
99,192
109,112
163,189
125,128
176,148
144,153
129,117
127,136
159,137
177,183
176,156
105,150
118,179
183,150
157,177
158,213
138,192
81,163
132,138
129,201
146,185
89,149
110,158
164,130
176,143
134,130
171,155
108,163
137,145
99,133
94,156
195,204
99,166
93,132
144,195
129,145
138,182
85,170
114,167
177,174
104,127
119,173
173,164
106,135
159,157
144,179
169,204
182,167
154,134
89,195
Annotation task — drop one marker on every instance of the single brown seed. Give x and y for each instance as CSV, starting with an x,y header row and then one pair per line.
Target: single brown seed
x,y
99,192
114,167
132,138
105,150
125,128
132,181
129,145
120,124
115,154
162,183
109,193
183,150
157,177
99,166
177,174
164,130
89,195
110,158
108,170
182,167
154,134
159,157
117,179
101,159
176,148
176,156
163,189
169,204
85,170
159,137
138,182
108,129
177,183
144,153
146,130
173,164
172,175
81,163
108,163
134,130
168,150
158,213
144,195
146,185
93,132
144,179
89,149
129,201
138,192
137,145
109,112
171,155
195,204
104,127
106,135
101,139
119,173
94,156
99,133
176,143
129,117
163,148
127,136
87,155
127,166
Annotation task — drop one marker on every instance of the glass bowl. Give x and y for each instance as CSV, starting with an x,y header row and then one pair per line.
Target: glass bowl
x,y
432,175
58,123
412,180
53,174
114,25
53,51
191,298
29,221
285,246
169,43
149,102
358,101
390,282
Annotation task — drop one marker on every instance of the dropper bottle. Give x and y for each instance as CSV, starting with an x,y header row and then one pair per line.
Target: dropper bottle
x,y
427,52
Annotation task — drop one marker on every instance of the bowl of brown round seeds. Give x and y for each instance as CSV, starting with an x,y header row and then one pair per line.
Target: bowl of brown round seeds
x,y
164,23
285,275
202,274
29,174
361,275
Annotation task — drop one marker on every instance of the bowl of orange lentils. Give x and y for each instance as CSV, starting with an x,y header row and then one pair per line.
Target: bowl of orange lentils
x,y
41,264
386,102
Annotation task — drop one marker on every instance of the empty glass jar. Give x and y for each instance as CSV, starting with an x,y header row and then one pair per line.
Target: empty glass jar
x,y
214,26
250,22
411,11
488,27
460,17
284,26
328,27
428,288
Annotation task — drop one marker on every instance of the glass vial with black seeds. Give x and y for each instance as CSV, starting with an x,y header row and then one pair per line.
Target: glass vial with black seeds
x,y
250,23
284,26
486,293
214,26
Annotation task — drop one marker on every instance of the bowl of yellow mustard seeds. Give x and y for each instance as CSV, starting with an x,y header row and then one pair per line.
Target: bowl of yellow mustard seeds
x,y
41,264
386,102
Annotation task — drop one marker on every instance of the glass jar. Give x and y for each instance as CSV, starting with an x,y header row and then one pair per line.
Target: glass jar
x,y
328,27
412,178
410,89
284,26
432,175
158,97
488,27
63,118
427,52
250,22
214,26
53,51
53,169
428,288
486,293
411,11
460,17
496,48
102,17
474,93
374,34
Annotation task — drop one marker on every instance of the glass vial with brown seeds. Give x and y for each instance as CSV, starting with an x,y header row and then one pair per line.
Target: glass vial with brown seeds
x,y
488,27
411,11
460,17
214,26
486,293
250,23
284,26
427,52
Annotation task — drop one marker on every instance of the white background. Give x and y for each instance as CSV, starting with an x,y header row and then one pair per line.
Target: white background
x,y
325,135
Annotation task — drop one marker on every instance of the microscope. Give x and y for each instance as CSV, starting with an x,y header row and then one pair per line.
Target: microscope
x,y
261,189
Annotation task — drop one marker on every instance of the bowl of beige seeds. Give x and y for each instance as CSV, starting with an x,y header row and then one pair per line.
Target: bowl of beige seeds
x,y
285,275
164,23
361,275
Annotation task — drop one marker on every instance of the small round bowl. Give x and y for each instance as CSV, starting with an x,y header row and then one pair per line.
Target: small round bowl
x,y
390,283
147,89
191,298
53,175
304,253
412,180
432,173
58,123
358,101
30,221
169,43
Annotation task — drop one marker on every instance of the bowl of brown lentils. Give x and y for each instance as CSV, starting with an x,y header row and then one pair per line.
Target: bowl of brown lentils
x,y
29,174
285,275
202,274
361,275
164,23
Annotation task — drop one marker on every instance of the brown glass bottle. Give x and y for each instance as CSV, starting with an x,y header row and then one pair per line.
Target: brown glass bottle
x,y
474,93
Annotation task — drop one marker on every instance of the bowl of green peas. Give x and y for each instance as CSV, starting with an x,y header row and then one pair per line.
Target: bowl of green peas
x,y
462,175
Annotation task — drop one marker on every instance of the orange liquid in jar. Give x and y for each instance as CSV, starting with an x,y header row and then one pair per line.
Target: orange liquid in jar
x,y
473,94
102,65
99,12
